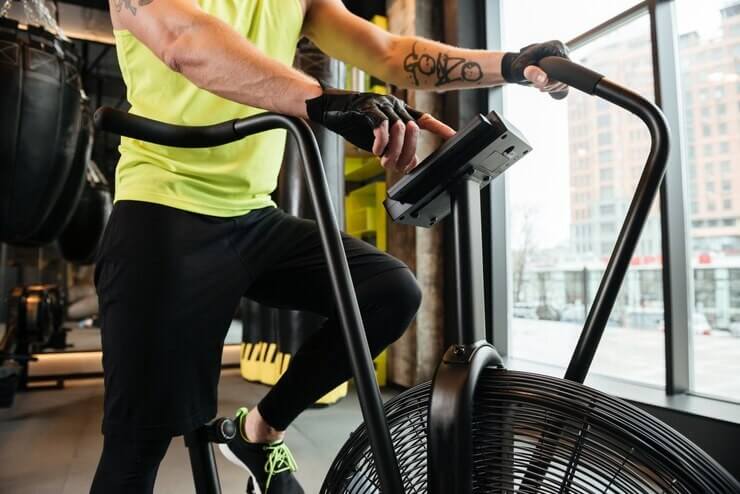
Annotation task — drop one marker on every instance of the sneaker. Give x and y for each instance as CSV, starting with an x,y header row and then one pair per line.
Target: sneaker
x,y
270,466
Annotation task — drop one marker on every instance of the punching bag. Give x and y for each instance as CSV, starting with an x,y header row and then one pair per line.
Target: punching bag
x,y
79,241
39,126
61,213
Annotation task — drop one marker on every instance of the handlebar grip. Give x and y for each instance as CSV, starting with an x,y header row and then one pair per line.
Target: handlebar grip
x,y
145,129
571,73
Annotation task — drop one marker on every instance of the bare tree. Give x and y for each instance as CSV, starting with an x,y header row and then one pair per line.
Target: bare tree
x,y
523,253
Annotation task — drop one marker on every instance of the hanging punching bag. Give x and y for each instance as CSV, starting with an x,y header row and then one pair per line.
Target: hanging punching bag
x,y
61,213
39,126
79,241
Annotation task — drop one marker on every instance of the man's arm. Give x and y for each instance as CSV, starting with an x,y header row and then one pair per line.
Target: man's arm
x,y
406,61
213,56
216,58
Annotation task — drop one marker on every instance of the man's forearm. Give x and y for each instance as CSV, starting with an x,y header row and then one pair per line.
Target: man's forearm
x,y
216,58
418,63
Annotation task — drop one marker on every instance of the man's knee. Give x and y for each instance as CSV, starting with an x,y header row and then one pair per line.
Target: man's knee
x,y
408,294
395,297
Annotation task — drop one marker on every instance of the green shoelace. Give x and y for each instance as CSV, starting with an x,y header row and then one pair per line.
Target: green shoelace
x,y
279,460
279,457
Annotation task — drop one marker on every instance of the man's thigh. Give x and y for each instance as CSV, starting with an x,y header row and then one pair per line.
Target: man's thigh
x,y
168,285
294,274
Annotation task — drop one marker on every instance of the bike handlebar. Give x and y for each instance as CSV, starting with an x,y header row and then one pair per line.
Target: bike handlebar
x,y
571,73
145,129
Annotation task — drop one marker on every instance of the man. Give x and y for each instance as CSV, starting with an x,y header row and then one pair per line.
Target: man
x,y
194,229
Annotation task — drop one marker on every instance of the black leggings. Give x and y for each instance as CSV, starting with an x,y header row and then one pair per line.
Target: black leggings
x,y
388,302
127,465
168,282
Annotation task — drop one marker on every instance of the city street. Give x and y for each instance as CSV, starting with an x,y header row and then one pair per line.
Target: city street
x,y
632,354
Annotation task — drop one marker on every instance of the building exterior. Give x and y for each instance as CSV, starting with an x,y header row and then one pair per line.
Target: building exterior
x,y
711,88
608,148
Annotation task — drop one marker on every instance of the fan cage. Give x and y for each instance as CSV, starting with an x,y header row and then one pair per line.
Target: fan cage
x,y
538,434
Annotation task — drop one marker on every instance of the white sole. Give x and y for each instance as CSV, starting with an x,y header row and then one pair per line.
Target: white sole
x,y
229,455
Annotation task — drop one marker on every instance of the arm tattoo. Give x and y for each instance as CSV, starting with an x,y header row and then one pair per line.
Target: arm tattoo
x,y
129,4
445,68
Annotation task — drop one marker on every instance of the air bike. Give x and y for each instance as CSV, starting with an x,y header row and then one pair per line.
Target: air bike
x,y
477,427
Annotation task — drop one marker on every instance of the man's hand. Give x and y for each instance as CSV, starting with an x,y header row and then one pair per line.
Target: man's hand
x,y
381,124
521,68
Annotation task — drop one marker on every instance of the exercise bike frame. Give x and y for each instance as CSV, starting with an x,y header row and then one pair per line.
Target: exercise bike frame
x,y
347,307
451,406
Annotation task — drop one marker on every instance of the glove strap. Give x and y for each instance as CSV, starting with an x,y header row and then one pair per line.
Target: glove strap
x,y
315,106
507,63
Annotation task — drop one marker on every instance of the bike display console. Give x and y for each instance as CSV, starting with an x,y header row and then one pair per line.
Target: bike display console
x,y
480,151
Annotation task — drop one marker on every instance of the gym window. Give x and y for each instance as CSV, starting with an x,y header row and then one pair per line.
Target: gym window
x,y
704,39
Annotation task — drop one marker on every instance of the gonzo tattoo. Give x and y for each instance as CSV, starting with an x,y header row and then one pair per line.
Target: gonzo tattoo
x,y
446,68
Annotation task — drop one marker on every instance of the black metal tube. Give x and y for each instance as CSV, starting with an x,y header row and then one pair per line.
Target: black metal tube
x,y
616,269
146,129
344,292
639,209
470,307
451,416
202,462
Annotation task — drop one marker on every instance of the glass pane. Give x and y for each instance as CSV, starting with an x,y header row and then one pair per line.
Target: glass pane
x,y
709,54
541,20
569,198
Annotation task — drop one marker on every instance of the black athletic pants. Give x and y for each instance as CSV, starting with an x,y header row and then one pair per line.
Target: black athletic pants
x,y
168,283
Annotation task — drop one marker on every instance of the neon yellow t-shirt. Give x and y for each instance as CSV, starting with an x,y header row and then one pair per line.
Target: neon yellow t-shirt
x,y
227,180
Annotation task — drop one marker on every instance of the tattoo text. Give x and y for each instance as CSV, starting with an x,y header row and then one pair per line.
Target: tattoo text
x,y
447,69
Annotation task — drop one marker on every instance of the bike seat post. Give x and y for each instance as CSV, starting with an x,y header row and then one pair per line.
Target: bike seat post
x,y
202,459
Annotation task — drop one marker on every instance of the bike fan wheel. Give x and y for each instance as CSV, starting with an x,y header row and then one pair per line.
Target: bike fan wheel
x,y
538,434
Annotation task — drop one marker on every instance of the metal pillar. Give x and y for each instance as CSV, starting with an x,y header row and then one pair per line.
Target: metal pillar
x,y
467,258
677,270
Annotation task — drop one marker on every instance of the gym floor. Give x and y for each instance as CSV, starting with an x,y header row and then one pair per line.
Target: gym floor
x,y
50,440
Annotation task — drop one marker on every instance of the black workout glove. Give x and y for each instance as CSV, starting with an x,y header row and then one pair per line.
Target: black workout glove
x,y
513,64
355,116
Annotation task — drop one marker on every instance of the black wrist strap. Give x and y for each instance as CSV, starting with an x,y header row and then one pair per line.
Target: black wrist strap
x,y
315,106
506,65
315,109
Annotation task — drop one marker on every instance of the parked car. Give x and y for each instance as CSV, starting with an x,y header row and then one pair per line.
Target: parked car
x,y
524,310
699,324
735,329
573,313
547,312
